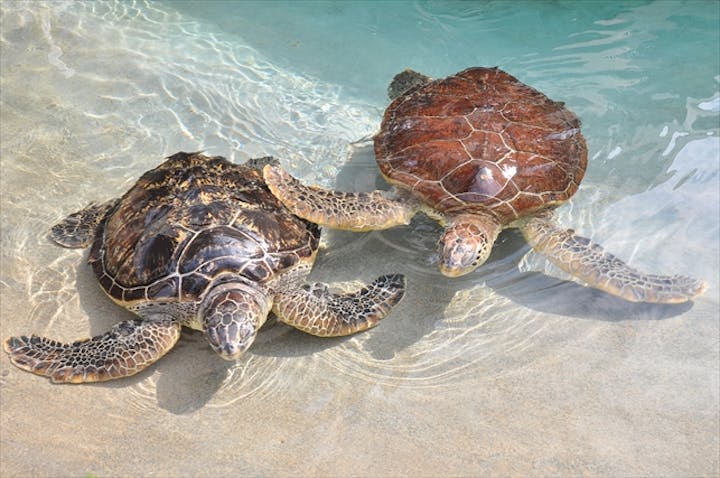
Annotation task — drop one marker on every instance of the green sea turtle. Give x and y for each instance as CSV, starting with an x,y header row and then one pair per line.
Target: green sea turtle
x,y
479,151
200,242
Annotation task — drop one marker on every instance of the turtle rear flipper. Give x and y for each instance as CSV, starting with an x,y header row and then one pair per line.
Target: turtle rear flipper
x,y
591,263
78,229
363,211
312,308
125,350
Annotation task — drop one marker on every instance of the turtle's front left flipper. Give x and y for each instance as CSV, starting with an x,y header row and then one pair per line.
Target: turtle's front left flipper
x,y
125,350
312,308
363,211
590,263
78,229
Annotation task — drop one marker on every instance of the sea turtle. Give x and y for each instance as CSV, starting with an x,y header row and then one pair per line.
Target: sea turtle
x,y
200,242
479,151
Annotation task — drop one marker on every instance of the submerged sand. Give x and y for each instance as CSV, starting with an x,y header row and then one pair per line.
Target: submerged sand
x,y
507,372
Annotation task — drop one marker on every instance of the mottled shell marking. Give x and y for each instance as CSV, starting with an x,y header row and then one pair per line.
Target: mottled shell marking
x,y
190,221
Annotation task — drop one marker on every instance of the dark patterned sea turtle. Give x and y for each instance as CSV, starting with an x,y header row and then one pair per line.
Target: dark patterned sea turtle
x,y
480,151
200,242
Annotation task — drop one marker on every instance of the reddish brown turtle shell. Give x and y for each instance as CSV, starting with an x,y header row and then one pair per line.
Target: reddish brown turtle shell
x,y
190,221
481,140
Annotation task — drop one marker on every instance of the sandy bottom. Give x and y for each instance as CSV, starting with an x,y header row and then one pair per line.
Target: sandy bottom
x,y
507,372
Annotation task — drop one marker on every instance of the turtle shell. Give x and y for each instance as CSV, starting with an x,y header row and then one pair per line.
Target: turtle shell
x,y
481,140
189,222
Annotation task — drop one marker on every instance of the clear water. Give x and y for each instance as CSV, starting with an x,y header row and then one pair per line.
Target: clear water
x,y
514,370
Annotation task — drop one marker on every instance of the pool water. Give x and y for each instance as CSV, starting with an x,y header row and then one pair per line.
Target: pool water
x,y
512,370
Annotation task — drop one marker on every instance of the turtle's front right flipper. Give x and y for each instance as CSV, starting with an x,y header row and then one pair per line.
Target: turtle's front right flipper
x,y
125,350
78,229
363,211
588,261
312,308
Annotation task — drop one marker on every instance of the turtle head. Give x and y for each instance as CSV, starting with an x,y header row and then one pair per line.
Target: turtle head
x,y
231,315
466,244
404,82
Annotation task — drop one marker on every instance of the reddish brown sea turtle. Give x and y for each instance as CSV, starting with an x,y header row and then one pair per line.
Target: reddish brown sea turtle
x,y
198,242
480,151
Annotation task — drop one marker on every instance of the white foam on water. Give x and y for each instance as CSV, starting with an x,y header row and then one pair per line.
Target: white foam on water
x,y
712,105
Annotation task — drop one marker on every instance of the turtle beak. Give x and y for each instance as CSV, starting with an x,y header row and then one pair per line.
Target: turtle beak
x,y
231,315
232,341
457,259
466,244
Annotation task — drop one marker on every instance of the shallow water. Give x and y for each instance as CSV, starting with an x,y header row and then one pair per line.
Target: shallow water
x,y
513,370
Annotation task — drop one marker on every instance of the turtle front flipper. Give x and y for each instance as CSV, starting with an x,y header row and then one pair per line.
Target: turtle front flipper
x,y
592,264
125,350
312,308
363,211
78,229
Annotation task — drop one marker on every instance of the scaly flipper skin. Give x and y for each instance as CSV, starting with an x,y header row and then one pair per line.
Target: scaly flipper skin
x,y
363,211
317,311
78,229
589,262
125,350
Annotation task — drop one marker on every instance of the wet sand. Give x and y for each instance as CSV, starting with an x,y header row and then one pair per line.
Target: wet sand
x,y
508,372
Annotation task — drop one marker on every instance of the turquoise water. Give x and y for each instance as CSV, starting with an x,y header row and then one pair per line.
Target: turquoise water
x,y
513,370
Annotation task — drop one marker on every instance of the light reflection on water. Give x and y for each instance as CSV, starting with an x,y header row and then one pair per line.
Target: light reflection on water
x,y
95,93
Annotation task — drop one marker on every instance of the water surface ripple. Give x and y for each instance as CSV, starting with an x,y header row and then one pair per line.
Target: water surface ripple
x,y
515,360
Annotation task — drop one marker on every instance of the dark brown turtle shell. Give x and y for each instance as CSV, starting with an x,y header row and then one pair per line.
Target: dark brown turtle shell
x,y
189,222
481,140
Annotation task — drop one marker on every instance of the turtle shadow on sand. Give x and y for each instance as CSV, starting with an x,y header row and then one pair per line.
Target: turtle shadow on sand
x,y
188,383
479,152
428,292
191,373
188,376
552,295
197,242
